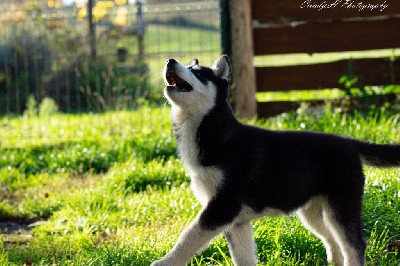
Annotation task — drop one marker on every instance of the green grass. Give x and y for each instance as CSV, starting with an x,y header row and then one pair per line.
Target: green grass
x,y
112,191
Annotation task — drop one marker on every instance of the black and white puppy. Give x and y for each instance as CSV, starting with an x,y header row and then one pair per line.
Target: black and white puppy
x,y
240,172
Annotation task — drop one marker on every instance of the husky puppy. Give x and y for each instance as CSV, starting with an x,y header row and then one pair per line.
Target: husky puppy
x,y
240,172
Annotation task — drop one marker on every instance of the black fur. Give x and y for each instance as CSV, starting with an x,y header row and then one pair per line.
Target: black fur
x,y
282,170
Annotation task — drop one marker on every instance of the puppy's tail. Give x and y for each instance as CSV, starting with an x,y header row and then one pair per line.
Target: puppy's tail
x,y
387,155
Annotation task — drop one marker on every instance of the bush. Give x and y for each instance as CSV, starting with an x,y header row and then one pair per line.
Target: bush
x,y
48,107
25,56
107,86
56,64
31,109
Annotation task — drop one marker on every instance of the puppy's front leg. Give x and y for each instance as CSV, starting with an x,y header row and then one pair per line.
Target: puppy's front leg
x,y
192,239
212,221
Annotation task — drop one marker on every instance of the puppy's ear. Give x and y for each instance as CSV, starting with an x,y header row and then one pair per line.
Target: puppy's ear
x,y
194,62
222,68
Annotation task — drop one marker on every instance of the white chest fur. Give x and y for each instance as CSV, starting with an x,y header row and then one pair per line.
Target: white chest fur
x,y
204,180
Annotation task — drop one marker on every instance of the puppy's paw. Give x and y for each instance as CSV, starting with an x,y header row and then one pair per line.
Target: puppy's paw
x,y
158,263
167,261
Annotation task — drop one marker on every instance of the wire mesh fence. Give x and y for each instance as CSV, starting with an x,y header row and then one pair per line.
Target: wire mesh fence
x,y
45,50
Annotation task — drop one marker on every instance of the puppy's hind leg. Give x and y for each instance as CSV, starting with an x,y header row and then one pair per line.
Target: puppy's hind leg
x,y
312,217
241,244
346,226
343,211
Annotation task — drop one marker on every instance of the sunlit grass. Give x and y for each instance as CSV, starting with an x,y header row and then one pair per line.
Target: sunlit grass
x,y
304,95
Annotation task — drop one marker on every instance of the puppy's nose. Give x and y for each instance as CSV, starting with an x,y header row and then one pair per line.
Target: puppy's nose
x,y
171,61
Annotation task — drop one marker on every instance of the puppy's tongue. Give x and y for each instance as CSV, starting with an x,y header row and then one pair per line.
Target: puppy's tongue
x,y
170,79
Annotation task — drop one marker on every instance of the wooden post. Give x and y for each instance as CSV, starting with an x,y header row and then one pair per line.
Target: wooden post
x,y
92,30
244,83
140,29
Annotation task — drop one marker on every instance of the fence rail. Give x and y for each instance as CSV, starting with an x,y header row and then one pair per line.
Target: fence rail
x,y
318,27
371,71
289,10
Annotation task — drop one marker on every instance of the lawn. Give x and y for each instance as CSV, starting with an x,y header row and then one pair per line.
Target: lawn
x,y
108,189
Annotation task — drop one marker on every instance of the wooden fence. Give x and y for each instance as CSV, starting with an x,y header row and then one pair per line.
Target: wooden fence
x,y
287,27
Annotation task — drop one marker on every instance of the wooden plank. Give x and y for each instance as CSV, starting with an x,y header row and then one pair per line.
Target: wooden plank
x,y
328,37
289,10
268,109
371,71
244,91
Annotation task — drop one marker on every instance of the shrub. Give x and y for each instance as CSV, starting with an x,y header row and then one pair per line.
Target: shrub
x,y
31,109
25,56
48,107
56,65
109,87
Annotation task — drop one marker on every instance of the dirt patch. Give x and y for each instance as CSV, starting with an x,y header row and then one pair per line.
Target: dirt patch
x,y
13,227
17,232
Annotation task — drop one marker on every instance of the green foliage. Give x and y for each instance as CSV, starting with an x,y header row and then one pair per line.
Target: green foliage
x,y
360,97
31,107
48,107
106,86
33,61
112,191
25,55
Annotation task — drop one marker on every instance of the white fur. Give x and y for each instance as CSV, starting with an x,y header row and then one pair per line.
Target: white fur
x,y
187,112
221,68
204,180
239,235
241,244
190,241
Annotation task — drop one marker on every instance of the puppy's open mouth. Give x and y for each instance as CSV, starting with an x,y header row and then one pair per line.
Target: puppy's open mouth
x,y
176,82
